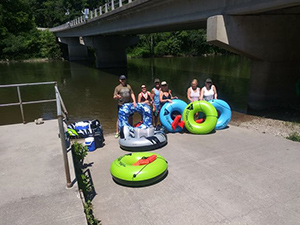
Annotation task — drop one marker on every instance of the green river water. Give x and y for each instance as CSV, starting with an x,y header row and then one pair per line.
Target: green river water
x,y
87,91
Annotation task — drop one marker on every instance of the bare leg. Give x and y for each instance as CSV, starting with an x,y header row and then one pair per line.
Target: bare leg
x,y
158,121
117,127
155,121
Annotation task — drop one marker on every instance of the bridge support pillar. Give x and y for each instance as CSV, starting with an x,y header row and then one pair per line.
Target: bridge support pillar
x,y
272,42
77,52
110,51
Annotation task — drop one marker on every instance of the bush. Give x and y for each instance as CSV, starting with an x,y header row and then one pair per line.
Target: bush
x,y
139,53
48,47
161,48
294,137
79,151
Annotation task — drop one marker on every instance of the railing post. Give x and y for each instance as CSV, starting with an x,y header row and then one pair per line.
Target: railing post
x,y
100,10
21,106
112,4
91,14
106,8
63,139
129,1
120,3
95,12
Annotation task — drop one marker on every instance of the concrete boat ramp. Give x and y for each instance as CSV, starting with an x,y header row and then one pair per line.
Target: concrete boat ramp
x,y
32,180
233,176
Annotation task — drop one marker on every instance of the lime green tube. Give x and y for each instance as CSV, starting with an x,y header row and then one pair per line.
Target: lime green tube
x,y
200,128
125,173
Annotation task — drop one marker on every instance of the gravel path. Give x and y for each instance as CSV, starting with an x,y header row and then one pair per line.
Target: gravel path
x,y
265,125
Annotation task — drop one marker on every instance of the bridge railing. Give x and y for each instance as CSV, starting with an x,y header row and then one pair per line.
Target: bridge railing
x,y
94,13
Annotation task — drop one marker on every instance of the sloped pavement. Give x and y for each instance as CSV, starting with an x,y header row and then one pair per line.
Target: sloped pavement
x,y
233,176
32,179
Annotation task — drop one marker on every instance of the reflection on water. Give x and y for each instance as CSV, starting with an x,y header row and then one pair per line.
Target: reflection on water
x,y
87,91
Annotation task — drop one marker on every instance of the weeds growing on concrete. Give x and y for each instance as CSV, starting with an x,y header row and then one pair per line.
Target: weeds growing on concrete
x,y
294,137
84,180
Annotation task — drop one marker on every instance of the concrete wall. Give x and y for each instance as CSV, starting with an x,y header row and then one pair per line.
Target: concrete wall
x,y
271,41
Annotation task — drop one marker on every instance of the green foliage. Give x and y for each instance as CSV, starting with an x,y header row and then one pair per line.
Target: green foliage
x,y
84,181
48,45
294,137
19,38
79,151
139,52
179,43
88,209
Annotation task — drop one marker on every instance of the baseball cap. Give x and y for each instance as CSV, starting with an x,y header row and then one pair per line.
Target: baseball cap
x,y
156,80
163,83
122,77
208,80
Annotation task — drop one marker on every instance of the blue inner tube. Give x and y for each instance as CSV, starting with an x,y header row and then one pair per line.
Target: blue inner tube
x,y
225,113
127,109
166,111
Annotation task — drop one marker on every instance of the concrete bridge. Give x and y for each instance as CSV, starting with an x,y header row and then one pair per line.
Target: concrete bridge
x,y
264,30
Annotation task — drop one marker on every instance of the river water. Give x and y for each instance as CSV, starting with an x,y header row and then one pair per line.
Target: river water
x,y
87,91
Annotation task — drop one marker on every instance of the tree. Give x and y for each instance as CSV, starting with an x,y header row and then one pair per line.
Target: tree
x,y
17,29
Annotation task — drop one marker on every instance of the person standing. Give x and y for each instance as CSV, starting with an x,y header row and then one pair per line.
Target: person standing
x,y
156,106
145,96
193,92
209,91
124,94
165,95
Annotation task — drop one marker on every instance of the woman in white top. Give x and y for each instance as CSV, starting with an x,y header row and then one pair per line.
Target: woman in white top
x,y
193,92
209,91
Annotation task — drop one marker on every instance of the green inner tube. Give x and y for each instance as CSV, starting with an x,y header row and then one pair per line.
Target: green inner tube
x,y
125,173
200,128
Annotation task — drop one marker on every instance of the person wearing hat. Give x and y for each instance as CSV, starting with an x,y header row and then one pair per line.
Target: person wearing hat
x,y
209,91
165,95
124,94
156,105
145,96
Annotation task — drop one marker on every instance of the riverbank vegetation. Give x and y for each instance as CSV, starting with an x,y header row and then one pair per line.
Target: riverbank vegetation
x,y
21,39
179,43
294,136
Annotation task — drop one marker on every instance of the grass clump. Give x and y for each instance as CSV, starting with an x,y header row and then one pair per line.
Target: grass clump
x,y
84,180
294,137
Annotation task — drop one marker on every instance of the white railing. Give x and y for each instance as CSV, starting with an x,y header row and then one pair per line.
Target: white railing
x,y
92,14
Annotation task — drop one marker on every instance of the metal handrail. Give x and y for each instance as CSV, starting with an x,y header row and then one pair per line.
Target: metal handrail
x,y
62,114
